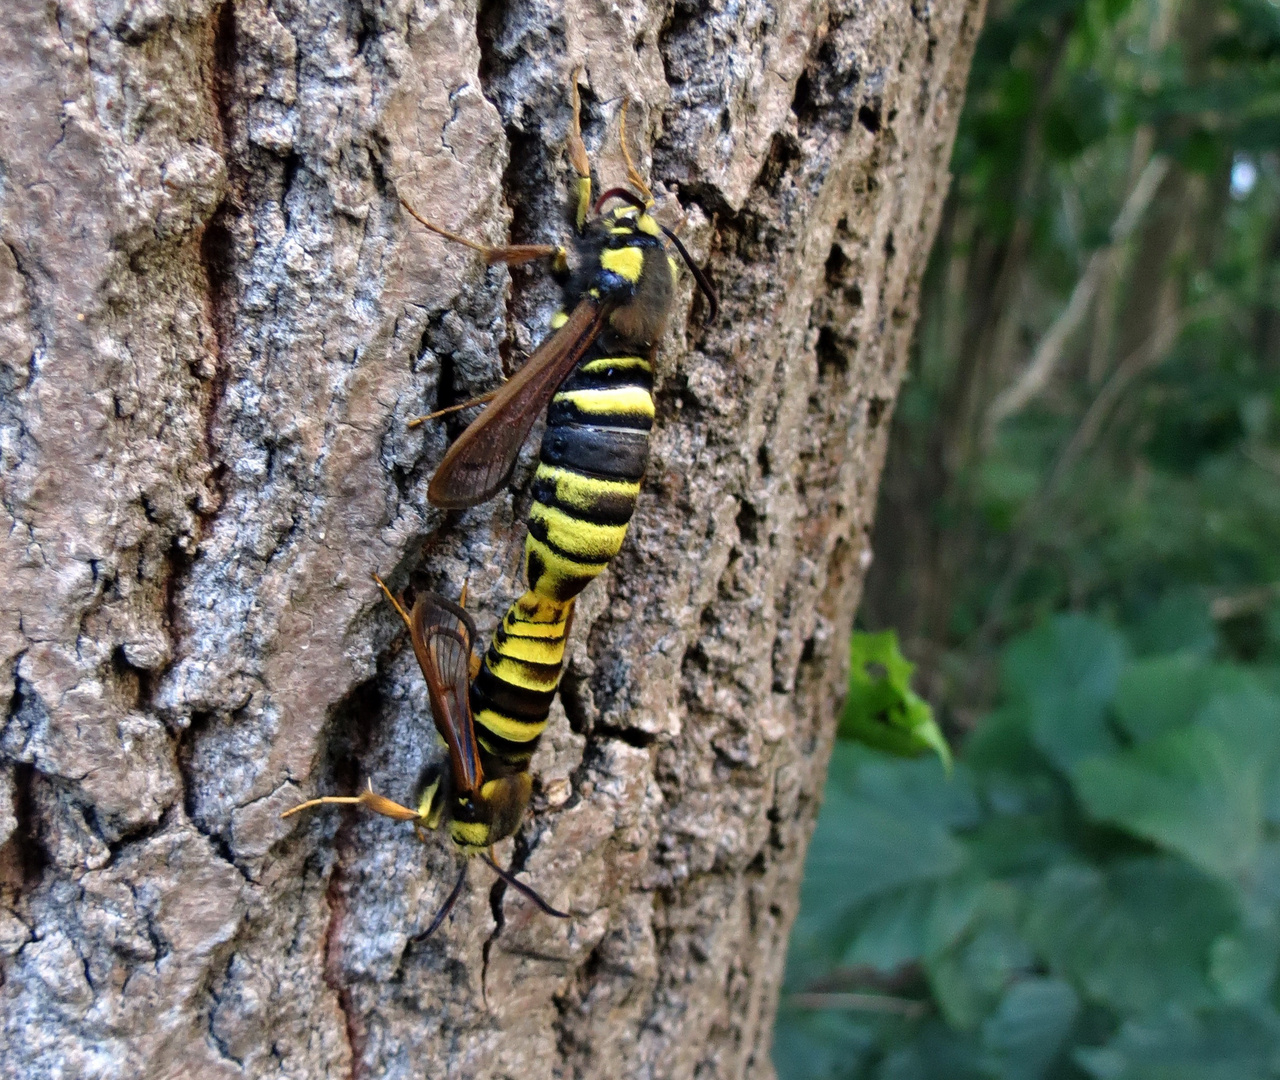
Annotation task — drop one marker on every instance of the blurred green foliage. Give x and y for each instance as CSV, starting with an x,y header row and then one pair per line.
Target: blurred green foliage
x,y
1094,891
1126,482
1089,586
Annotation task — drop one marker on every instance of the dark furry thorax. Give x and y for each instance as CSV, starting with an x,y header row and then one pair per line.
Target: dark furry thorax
x,y
642,295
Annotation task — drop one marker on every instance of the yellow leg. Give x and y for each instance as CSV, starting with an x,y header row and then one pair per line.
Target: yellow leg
x,y
512,255
377,803
395,604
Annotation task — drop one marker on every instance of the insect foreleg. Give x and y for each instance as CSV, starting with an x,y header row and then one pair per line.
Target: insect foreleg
x,y
483,399
394,603
367,798
633,174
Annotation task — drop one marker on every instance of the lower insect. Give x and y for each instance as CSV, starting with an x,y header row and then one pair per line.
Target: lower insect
x,y
478,797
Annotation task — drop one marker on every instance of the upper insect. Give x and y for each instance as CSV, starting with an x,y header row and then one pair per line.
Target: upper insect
x,y
620,291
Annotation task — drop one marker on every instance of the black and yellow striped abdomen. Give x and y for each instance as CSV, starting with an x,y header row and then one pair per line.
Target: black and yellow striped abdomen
x,y
594,453
512,694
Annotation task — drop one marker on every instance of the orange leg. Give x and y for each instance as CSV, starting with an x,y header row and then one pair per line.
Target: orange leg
x,y
483,399
395,603
633,174
578,155
377,803
512,255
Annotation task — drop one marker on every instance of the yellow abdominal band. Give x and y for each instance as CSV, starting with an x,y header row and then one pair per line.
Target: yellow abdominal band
x,y
585,493
600,405
583,542
525,657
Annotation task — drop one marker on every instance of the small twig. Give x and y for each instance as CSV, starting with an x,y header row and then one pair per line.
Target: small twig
x,y
848,1001
1249,602
1144,357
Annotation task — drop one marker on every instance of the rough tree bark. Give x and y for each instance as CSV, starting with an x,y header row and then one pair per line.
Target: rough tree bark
x,y
215,322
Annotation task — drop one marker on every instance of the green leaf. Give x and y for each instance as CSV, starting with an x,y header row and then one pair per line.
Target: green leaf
x,y
1243,965
923,920
1262,887
820,1045
1008,844
1134,937
1188,792
1179,623
1002,744
918,789
958,904
1249,720
883,826
1066,673
1157,695
881,709
1231,1044
892,930
1030,1027
1200,790
969,976
934,1052
860,850
968,979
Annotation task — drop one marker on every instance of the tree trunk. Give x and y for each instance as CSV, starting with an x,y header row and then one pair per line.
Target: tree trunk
x,y
217,321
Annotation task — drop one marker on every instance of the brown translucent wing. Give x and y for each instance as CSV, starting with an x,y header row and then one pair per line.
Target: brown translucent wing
x,y
442,633
480,462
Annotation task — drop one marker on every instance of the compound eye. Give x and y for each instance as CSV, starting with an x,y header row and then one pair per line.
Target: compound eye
x,y
466,810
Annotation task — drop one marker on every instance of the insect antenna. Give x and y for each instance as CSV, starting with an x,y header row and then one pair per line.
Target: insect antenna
x,y
621,193
447,907
521,887
703,284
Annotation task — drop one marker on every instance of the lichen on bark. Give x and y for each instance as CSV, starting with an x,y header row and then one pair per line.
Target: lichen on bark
x,y
215,322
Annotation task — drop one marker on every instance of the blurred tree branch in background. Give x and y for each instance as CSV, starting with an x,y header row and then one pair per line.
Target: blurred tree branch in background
x,y
1044,361
1098,329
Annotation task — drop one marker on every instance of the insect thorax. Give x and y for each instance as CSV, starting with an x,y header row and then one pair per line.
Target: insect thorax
x,y
623,261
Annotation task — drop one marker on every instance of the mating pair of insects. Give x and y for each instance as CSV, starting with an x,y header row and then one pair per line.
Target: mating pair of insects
x,y
594,375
